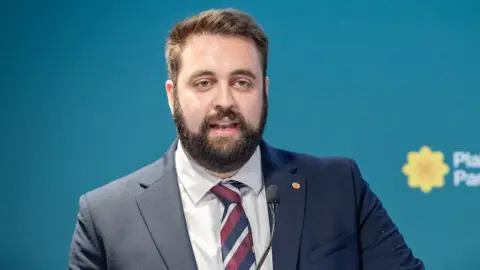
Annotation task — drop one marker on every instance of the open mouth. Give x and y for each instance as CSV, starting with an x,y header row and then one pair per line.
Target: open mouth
x,y
224,126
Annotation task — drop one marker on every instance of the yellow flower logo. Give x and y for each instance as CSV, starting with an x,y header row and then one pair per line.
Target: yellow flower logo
x,y
425,169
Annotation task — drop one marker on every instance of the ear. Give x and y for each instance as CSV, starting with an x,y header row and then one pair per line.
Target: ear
x,y
169,87
267,81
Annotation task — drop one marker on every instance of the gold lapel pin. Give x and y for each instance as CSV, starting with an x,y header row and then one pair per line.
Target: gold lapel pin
x,y
295,185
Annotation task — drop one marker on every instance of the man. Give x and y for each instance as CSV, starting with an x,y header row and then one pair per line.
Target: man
x,y
203,205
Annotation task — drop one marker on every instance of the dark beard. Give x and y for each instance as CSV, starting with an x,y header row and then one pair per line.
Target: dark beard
x,y
221,155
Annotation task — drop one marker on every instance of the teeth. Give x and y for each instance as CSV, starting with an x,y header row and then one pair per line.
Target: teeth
x,y
224,126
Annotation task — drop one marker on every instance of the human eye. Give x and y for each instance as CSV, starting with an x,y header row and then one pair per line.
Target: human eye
x,y
203,85
242,84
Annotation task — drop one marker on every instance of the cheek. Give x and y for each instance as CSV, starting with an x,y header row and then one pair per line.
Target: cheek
x,y
193,111
252,110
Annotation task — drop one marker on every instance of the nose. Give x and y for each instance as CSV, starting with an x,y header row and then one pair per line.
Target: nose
x,y
224,97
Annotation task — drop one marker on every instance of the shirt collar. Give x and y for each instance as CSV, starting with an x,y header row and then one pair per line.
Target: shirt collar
x,y
197,181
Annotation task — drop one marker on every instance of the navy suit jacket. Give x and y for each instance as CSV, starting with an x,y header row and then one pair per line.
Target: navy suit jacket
x,y
333,221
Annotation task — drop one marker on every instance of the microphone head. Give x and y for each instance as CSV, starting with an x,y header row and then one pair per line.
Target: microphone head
x,y
272,194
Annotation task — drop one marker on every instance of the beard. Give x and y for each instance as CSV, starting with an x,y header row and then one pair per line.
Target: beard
x,y
221,154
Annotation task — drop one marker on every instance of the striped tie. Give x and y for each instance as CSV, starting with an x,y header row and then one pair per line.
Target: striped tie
x,y
235,235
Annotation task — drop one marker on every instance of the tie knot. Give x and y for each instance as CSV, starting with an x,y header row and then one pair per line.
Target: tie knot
x,y
228,192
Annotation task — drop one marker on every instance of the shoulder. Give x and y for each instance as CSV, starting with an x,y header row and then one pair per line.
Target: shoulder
x,y
328,164
334,186
329,176
319,166
123,188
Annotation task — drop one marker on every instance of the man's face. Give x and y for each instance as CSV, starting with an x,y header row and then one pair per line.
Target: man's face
x,y
219,102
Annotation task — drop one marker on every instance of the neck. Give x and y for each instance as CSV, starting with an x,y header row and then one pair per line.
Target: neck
x,y
222,175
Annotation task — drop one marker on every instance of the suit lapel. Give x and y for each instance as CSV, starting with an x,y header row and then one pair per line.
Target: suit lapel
x,y
279,170
161,208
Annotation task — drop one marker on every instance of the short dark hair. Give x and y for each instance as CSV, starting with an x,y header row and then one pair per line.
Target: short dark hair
x,y
228,22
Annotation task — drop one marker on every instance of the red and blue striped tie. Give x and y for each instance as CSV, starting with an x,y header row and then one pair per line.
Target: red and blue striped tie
x,y
235,234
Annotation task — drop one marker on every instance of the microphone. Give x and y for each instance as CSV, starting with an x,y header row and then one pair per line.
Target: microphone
x,y
273,200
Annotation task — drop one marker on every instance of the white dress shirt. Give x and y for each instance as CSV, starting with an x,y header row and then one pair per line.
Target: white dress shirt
x,y
203,210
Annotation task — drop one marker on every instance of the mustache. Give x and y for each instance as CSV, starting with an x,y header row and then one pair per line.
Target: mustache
x,y
225,113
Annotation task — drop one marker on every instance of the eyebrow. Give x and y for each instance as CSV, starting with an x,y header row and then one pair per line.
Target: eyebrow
x,y
244,72
200,73
204,72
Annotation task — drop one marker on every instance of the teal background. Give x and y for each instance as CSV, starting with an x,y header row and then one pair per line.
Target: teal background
x,y
83,102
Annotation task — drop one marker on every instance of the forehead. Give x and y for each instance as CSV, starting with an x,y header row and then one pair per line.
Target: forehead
x,y
219,54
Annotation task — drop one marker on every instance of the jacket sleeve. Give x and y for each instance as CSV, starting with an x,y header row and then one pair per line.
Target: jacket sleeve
x,y
382,245
85,250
